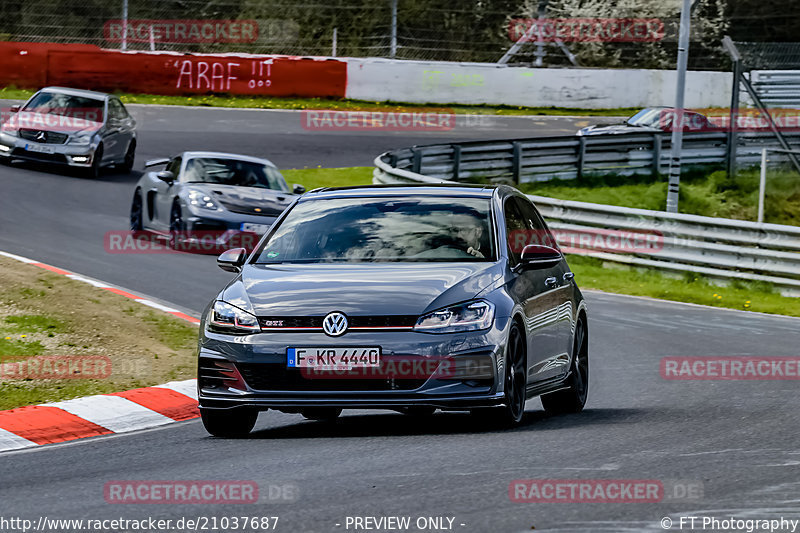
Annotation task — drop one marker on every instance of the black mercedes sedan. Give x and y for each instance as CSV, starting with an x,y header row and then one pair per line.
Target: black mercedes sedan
x,y
409,298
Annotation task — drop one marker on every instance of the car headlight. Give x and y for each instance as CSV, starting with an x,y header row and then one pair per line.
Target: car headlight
x,y
470,316
200,199
81,138
227,318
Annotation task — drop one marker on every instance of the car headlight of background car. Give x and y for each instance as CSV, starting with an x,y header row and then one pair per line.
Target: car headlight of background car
x,y
202,200
9,128
227,318
470,316
81,138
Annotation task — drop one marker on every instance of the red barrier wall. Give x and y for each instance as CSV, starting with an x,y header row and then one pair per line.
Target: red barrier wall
x,y
33,65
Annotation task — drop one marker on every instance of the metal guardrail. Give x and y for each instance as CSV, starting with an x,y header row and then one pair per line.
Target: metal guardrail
x,y
570,157
777,88
715,247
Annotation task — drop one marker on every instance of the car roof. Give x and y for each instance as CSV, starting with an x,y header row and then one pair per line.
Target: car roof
x,y
227,155
428,189
76,92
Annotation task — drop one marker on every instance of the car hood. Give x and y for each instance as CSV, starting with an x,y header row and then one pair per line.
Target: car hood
x,y
367,289
248,200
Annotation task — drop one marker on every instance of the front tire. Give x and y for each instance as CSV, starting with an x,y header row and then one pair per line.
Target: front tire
x,y
137,212
176,233
573,398
229,424
93,172
515,384
130,156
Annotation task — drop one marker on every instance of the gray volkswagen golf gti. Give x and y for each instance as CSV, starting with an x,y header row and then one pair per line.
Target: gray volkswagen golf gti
x,y
410,298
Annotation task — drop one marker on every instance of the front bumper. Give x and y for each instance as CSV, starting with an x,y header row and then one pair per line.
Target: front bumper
x,y
216,231
73,155
263,380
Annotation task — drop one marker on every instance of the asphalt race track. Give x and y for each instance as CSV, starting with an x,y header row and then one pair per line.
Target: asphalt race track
x,y
61,219
734,440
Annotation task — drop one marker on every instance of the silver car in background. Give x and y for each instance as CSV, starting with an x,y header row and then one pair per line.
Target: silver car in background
x,y
210,199
84,129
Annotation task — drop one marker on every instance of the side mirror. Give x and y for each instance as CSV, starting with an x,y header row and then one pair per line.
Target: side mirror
x,y
538,256
232,260
14,108
298,189
166,175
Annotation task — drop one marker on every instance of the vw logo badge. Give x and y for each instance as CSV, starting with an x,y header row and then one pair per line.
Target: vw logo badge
x,y
334,324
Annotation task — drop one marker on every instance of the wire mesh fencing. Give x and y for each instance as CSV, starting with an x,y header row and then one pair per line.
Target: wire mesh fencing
x,y
442,30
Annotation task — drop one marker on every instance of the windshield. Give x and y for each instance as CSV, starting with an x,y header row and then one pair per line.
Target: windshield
x,y
358,230
47,103
234,172
648,118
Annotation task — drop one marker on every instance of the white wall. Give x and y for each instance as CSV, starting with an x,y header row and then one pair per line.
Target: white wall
x,y
475,83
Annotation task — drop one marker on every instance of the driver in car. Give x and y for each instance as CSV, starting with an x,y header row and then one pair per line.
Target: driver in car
x,y
471,232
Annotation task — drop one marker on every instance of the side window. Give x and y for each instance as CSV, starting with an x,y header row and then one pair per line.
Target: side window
x,y
515,230
113,110
174,166
123,113
539,233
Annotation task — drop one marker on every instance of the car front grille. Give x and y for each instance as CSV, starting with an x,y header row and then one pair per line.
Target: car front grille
x,y
249,209
50,137
277,377
377,322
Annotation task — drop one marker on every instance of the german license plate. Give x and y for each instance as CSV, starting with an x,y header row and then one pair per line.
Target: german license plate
x,y
341,358
40,148
251,227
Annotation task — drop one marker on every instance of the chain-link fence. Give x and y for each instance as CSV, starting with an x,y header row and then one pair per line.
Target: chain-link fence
x,y
446,30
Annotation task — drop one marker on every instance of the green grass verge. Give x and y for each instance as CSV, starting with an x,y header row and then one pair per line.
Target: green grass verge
x,y
221,100
46,315
311,178
593,273
711,195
